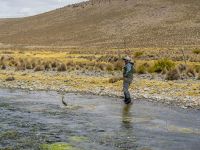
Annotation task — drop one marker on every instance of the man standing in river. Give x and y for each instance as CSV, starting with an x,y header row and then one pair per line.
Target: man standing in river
x,y
127,78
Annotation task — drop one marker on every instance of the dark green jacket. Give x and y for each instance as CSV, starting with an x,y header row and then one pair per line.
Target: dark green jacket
x,y
128,70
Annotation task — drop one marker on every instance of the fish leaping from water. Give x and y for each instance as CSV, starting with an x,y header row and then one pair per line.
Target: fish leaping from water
x,y
64,103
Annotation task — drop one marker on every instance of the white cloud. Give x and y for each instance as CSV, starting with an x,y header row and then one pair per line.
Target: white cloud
x,y
22,8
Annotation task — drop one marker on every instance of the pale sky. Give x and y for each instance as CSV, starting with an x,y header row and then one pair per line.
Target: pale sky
x,y
22,8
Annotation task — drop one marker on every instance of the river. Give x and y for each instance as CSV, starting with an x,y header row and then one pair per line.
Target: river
x,y
39,120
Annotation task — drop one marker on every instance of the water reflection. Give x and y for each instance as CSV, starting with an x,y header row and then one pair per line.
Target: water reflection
x,y
127,116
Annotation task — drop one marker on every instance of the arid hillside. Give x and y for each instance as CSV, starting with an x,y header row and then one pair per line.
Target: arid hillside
x,y
109,23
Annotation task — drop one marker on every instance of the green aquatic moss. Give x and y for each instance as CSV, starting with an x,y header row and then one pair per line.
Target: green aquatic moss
x,y
57,146
8,135
78,138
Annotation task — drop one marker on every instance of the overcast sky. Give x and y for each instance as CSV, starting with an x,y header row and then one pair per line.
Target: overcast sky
x,y
21,8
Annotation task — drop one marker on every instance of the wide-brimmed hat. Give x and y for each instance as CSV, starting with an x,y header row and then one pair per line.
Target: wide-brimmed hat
x,y
127,58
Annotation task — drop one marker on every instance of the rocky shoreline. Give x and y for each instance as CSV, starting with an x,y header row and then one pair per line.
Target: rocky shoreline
x,y
113,90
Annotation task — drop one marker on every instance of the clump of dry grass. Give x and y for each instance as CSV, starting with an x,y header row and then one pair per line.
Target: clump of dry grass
x,y
198,77
115,79
47,66
19,66
108,58
70,63
182,67
33,63
3,66
163,64
12,63
28,65
190,72
101,66
54,64
138,54
109,67
196,51
197,68
118,65
143,68
10,78
173,74
62,67
39,68
78,67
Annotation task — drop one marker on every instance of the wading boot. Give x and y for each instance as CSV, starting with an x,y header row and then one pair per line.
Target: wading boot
x,y
127,101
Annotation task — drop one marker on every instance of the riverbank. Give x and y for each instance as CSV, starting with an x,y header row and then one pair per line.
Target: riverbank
x,y
182,93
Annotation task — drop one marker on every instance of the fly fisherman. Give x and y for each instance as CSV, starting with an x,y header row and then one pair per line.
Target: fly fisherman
x,y
127,78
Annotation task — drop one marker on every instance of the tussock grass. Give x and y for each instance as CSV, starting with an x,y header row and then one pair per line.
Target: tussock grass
x,y
118,65
190,72
54,64
101,61
47,66
115,79
3,66
182,67
197,68
10,78
109,67
62,67
138,54
173,74
39,68
196,51
143,68
198,77
163,64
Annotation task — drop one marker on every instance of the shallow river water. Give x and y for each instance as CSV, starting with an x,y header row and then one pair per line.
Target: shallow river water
x,y
38,120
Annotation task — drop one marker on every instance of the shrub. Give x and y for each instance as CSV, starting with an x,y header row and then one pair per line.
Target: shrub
x,y
143,68
162,64
196,51
172,74
62,67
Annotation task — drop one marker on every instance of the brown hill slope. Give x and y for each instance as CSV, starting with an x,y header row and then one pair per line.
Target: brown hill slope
x,y
109,23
